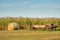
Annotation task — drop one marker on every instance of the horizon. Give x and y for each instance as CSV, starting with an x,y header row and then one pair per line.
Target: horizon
x,y
30,8
28,17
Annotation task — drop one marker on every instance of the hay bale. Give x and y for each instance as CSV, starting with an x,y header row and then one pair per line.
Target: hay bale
x,y
13,26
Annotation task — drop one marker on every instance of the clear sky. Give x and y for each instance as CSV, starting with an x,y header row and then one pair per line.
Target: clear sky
x,y
30,8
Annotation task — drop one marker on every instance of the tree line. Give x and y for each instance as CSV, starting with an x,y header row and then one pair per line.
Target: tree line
x,y
4,21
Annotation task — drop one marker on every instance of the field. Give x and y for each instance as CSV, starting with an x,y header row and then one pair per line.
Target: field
x,y
29,35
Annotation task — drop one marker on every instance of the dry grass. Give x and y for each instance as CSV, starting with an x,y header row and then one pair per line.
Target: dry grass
x,y
29,35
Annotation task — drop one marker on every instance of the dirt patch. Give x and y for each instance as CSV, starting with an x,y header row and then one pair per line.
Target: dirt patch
x,y
52,37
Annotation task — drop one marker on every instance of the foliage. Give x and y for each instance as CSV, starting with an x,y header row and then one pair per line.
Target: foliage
x,y
4,21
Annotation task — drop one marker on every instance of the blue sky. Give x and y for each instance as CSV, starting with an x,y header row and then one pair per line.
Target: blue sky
x,y
30,8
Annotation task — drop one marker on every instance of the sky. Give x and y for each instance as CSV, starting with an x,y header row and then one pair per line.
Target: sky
x,y
30,8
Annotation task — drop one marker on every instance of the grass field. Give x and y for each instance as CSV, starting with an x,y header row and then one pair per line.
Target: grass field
x,y
29,35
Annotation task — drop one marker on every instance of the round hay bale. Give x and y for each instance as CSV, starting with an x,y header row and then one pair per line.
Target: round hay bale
x,y
13,26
